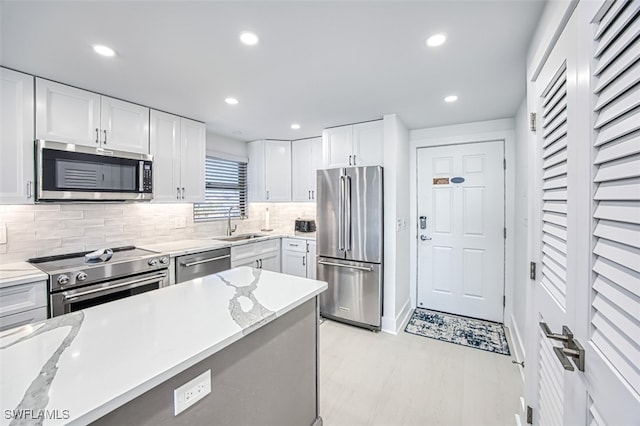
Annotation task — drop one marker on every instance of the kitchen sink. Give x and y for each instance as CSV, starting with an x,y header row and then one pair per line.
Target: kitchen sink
x,y
241,237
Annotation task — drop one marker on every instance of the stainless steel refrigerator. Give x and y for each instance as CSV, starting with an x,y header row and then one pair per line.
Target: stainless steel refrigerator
x,y
350,244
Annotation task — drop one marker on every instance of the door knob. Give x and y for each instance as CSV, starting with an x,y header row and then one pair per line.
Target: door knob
x,y
424,238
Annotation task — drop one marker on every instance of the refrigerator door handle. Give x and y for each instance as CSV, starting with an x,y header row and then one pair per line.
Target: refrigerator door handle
x,y
348,216
340,265
341,216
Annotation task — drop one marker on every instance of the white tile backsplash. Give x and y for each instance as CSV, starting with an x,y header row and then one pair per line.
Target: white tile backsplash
x,y
49,229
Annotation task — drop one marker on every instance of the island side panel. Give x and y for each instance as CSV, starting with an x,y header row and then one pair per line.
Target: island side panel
x,y
268,377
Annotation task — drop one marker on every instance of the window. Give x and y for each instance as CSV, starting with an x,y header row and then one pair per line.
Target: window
x,y
226,187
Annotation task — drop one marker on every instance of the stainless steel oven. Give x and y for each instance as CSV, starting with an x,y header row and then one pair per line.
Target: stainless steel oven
x,y
85,279
86,297
67,172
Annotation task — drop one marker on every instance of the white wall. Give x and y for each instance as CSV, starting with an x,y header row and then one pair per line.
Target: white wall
x,y
521,275
464,133
396,301
224,145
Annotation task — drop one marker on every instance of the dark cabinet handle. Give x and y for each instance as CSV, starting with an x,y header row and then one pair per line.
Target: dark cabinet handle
x,y
105,137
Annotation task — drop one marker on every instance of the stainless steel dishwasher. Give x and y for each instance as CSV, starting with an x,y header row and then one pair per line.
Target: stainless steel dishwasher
x,y
192,266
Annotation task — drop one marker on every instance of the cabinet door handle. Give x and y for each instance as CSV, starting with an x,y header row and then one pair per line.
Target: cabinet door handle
x,y
267,194
313,195
309,196
350,159
303,261
183,192
257,264
97,135
105,137
29,189
177,193
260,263
354,159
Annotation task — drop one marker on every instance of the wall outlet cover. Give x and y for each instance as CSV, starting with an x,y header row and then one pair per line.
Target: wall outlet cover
x,y
191,392
181,222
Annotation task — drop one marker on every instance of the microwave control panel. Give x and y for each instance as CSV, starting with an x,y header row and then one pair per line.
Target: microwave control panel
x,y
147,177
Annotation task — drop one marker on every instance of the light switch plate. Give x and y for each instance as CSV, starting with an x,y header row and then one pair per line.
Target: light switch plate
x,y
181,222
3,234
191,392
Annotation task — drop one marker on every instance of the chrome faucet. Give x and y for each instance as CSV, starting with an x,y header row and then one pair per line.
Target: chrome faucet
x,y
230,230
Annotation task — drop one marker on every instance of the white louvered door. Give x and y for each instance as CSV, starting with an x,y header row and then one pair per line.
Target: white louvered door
x,y
612,322
553,306
589,177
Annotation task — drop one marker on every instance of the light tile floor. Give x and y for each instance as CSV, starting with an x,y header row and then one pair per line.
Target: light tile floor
x,y
371,378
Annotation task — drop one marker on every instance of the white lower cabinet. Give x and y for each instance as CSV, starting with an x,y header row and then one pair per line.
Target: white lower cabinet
x,y
261,255
16,137
23,304
299,257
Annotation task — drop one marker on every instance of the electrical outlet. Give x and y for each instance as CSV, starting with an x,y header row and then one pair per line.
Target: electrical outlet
x,y
191,392
180,222
3,234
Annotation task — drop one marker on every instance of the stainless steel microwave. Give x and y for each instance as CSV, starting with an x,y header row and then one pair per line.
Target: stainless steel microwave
x,y
68,172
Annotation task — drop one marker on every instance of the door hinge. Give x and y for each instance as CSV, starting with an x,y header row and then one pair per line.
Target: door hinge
x,y
504,163
532,121
505,233
529,415
532,270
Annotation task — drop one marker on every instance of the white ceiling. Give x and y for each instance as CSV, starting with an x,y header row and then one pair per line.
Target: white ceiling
x,y
319,64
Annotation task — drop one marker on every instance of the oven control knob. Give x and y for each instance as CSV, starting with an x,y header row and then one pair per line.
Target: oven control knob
x,y
63,279
164,260
152,262
81,276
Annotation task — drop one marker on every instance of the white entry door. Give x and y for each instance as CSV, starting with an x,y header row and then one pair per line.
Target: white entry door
x,y
588,174
461,229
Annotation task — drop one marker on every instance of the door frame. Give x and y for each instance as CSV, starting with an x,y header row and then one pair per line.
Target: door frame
x,y
483,131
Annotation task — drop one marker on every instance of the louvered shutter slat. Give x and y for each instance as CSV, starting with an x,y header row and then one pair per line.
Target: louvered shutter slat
x,y
622,147
627,59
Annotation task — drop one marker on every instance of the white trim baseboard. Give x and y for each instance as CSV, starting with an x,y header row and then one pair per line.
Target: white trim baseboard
x,y
395,326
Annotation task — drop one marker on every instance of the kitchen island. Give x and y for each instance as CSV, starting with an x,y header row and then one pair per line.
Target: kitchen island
x,y
119,363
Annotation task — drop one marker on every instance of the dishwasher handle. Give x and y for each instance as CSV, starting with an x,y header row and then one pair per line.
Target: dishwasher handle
x,y
199,262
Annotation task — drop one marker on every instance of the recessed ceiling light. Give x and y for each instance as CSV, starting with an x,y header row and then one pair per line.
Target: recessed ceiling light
x,y
436,40
103,50
295,126
451,98
249,38
232,101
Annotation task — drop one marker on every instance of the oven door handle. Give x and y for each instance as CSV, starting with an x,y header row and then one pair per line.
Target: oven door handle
x,y
199,262
140,281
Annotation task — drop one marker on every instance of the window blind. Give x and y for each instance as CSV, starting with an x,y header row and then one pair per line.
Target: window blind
x,y
225,188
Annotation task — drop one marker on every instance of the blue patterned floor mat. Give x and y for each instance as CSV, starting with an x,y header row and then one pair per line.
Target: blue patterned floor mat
x,y
484,335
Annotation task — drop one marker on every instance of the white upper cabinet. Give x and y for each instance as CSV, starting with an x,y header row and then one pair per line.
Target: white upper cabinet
x,y
306,155
193,137
125,126
16,137
368,143
353,145
178,146
337,147
165,148
269,170
67,114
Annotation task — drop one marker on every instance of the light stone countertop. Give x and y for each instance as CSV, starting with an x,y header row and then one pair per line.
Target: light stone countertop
x,y
16,273
93,361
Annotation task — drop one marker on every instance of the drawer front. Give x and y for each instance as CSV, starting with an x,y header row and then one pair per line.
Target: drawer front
x,y
243,251
268,246
23,318
23,297
294,244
